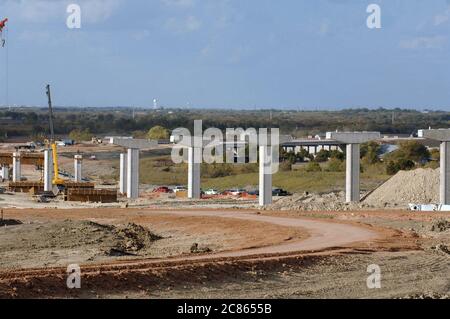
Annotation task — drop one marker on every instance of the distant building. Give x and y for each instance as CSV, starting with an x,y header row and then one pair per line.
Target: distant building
x,y
312,145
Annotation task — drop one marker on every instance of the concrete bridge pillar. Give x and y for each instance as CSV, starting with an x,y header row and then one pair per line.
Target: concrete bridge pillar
x,y
442,135
194,162
123,174
445,173
48,170
352,185
265,175
5,172
129,168
17,177
133,173
353,141
78,159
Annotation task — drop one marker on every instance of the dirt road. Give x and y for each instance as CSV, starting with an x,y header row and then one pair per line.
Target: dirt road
x,y
321,234
312,236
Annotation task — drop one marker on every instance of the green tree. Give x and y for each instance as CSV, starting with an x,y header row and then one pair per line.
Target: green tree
x,y
80,135
435,155
337,155
369,152
313,167
158,133
402,164
336,165
322,156
413,151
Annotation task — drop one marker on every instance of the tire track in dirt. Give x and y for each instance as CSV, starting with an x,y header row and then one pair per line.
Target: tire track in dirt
x,y
323,236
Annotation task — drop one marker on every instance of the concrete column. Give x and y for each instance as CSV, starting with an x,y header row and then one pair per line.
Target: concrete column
x,y
265,175
5,172
123,174
78,159
17,176
445,173
352,174
48,170
133,173
194,160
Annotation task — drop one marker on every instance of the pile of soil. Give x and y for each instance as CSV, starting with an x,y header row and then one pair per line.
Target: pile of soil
x,y
420,186
131,238
315,202
61,242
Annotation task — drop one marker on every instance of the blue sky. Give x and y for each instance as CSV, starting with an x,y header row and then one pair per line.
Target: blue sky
x,y
300,54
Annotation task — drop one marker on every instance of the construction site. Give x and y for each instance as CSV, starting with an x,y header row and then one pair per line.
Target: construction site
x,y
145,241
351,203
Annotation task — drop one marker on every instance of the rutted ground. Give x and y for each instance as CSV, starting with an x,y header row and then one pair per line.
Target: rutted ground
x,y
274,254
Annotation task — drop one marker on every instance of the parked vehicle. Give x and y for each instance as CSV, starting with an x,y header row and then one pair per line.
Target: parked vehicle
x,y
211,192
162,189
254,192
237,192
280,192
177,189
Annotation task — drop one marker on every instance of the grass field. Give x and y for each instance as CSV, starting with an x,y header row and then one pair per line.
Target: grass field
x,y
154,172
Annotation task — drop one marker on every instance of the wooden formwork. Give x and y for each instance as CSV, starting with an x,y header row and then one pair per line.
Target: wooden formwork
x,y
92,195
68,185
26,187
36,159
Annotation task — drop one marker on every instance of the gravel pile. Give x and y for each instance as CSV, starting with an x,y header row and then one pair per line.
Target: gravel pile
x,y
316,202
420,186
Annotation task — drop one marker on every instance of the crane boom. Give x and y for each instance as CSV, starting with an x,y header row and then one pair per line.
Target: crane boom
x,y
56,179
50,114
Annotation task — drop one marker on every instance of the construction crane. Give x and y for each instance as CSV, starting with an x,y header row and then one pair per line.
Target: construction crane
x,y
2,26
52,142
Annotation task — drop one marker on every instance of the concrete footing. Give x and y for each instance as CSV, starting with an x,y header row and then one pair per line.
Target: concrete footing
x,y
133,173
194,160
78,159
17,175
123,174
48,170
265,175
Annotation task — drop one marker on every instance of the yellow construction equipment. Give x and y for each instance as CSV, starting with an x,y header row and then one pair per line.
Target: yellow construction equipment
x,y
56,179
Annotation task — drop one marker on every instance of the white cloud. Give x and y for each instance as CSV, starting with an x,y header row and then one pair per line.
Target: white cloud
x,y
442,18
141,35
183,25
324,28
179,3
435,42
96,11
